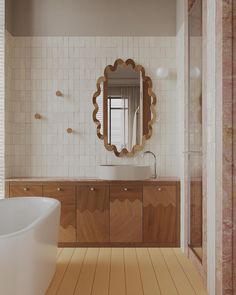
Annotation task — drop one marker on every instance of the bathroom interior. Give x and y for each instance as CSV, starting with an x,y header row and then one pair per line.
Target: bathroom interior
x,y
117,147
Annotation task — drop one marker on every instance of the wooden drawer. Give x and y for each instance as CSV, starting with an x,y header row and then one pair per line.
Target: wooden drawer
x,y
122,191
66,194
27,190
60,191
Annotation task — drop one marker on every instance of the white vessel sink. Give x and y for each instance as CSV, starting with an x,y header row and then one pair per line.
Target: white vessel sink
x,y
124,172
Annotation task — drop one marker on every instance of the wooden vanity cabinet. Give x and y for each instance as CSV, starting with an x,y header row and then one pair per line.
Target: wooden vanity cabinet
x,y
93,214
161,215
66,194
126,214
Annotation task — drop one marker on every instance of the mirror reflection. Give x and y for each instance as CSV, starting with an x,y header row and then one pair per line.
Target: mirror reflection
x,y
125,106
125,109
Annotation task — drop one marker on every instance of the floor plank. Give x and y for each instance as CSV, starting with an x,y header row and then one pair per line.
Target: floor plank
x,y
71,276
165,281
59,250
150,284
117,273
102,275
62,264
192,274
125,271
132,273
86,278
182,283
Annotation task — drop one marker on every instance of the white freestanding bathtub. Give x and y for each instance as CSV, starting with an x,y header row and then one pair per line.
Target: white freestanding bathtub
x,y
28,244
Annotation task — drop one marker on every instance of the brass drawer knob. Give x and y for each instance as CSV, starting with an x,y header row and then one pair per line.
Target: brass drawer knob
x,y
92,189
125,189
159,189
59,189
26,189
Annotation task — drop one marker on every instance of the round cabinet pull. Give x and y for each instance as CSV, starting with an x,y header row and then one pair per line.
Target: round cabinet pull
x,y
125,189
26,189
59,189
159,189
92,189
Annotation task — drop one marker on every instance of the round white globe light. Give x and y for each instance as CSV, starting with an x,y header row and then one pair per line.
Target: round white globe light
x,y
162,72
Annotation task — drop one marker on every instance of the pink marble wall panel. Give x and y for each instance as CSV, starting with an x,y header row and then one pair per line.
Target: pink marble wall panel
x,y
234,146
224,136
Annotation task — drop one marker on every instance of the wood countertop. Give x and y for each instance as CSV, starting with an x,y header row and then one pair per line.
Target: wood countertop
x,y
84,180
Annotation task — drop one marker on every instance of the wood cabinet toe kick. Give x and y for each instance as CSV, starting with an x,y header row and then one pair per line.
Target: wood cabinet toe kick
x,y
118,214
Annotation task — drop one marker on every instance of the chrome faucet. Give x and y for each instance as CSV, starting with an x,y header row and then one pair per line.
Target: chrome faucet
x,y
155,161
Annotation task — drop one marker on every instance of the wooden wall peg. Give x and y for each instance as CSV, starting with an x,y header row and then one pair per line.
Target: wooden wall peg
x,y
59,93
37,116
69,130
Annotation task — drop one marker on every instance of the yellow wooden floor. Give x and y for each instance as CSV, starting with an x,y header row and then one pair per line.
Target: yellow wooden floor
x,y
124,271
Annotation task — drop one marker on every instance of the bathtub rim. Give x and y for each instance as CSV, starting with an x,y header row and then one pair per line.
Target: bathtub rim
x,y
55,204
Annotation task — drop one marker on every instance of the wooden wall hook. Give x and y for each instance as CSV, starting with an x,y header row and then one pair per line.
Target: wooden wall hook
x,y
69,130
59,93
37,116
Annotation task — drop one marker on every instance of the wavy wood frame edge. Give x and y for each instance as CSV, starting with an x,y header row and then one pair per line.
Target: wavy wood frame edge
x,y
135,148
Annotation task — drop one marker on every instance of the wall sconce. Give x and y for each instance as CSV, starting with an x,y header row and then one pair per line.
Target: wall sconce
x,y
37,116
69,130
162,73
59,93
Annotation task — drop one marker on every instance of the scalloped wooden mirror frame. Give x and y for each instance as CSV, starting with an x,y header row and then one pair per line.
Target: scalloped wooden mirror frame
x,y
104,137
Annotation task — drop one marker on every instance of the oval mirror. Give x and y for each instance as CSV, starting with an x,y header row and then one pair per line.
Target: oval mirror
x,y
124,107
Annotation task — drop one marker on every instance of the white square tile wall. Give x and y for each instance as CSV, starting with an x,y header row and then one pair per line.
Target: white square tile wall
x,y
42,65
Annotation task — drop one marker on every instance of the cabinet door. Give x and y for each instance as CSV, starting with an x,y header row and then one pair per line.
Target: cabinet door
x,y
126,214
93,214
26,190
161,217
66,195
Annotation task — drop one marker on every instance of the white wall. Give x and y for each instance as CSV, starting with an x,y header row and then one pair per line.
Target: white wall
x,y
92,18
43,65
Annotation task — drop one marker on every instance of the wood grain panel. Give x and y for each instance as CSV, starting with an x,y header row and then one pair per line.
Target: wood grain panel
x,y
125,214
160,214
93,213
66,195
196,213
20,190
